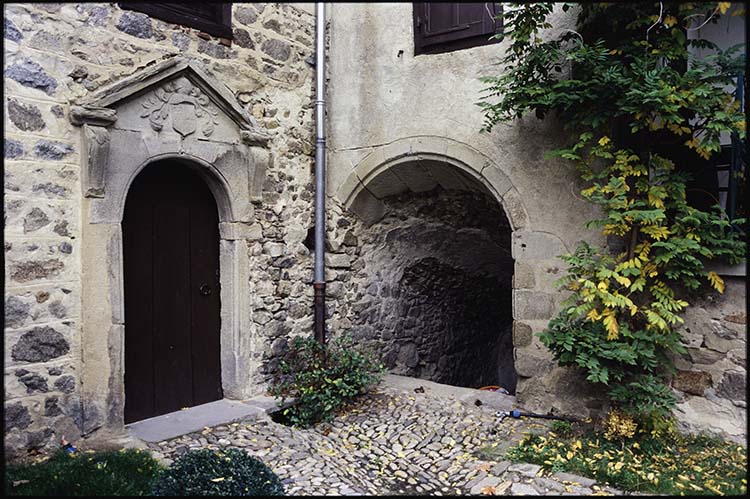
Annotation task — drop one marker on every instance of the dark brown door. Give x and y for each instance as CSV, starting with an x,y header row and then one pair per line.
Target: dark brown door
x,y
170,234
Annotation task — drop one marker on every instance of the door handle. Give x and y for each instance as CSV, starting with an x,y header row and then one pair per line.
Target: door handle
x,y
205,290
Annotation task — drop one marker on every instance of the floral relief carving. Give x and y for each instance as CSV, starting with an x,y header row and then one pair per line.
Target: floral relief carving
x,y
186,103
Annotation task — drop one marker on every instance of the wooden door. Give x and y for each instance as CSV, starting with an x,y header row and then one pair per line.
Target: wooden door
x,y
170,234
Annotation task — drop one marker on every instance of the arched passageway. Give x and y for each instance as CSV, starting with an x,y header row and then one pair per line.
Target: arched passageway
x,y
438,304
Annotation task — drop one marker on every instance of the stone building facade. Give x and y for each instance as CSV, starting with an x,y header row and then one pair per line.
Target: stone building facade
x,y
442,242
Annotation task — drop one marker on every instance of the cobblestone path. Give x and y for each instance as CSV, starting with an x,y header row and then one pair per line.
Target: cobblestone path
x,y
393,443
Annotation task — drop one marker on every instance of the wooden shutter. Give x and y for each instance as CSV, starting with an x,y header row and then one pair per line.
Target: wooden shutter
x,y
212,18
442,27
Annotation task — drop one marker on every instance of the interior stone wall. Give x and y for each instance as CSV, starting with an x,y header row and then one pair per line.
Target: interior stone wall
x,y
436,299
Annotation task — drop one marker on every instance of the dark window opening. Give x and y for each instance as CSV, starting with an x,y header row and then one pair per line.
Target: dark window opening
x,y
445,27
721,179
212,18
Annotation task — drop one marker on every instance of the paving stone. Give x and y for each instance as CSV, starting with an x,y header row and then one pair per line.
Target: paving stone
x,y
366,450
577,479
489,481
523,489
525,469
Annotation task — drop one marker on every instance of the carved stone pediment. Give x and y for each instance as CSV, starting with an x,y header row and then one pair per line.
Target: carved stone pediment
x,y
173,108
168,84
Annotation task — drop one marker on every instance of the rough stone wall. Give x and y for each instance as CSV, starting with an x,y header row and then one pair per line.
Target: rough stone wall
x,y
55,55
710,381
435,296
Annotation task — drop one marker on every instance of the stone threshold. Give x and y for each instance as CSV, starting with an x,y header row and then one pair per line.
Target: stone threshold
x,y
192,419
481,398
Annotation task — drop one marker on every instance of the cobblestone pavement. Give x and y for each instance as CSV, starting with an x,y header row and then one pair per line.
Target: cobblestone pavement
x,y
392,443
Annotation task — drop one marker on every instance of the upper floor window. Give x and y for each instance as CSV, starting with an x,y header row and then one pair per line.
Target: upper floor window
x,y
444,27
212,18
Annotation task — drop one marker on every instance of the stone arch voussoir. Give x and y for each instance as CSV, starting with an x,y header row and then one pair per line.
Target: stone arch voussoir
x,y
362,190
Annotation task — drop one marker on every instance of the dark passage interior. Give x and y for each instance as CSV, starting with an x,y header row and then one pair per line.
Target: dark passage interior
x,y
438,303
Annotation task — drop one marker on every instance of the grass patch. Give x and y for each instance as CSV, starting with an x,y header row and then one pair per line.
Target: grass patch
x,y
118,473
680,465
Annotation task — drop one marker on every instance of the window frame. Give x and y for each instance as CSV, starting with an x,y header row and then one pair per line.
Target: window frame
x,y
419,14
221,27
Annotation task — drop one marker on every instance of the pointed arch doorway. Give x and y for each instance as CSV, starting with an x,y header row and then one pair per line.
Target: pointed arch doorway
x,y
170,233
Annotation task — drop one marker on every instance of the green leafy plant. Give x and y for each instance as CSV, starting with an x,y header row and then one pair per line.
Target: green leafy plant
x,y
321,378
226,472
115,473
639,111
683,465
562,428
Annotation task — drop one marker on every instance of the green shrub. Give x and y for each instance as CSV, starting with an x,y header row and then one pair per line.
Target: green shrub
x,y
227,472
323,378
632,366
562,428
124,473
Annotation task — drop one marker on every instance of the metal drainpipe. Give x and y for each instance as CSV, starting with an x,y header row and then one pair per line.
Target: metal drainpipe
x,y
319,281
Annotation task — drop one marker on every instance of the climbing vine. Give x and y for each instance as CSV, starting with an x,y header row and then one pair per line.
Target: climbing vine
x,y
639,111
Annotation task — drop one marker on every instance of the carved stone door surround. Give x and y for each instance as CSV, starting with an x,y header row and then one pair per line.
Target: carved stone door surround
x,y
172,109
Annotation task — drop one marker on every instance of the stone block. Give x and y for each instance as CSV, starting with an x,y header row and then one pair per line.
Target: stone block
x,y
449,177
489,481
523,489
574,479
11,32
498,179
273,249
704,356
693,382
385,184
715,342
366,206
40,344
16,416
13,149
338,260
522,334
513,205
719,417
530,245
733,386
30,74
237,230
523,275
528,364
414,177
533,305
135,24
525,469
26,117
